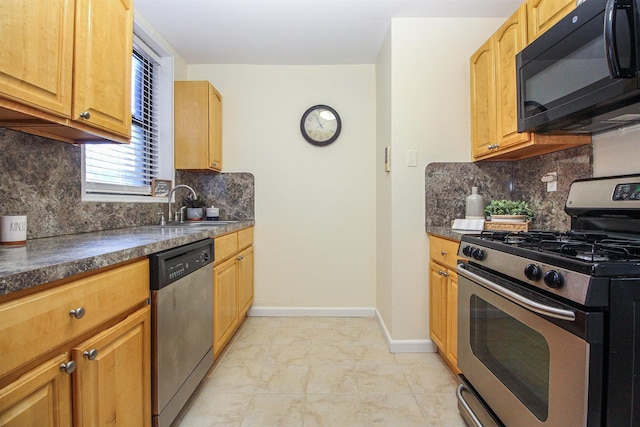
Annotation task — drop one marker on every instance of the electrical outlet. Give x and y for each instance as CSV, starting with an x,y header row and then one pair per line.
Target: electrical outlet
x,y
551,179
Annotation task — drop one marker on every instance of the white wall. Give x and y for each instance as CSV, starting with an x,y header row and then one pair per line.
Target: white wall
x,y
429,113
384,289
315,206
617,152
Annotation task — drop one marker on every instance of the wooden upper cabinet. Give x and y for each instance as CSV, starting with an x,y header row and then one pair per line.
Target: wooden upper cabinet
x,y
64,58
198,126
507,42
494,103
37,53
483,102
102,65
542,14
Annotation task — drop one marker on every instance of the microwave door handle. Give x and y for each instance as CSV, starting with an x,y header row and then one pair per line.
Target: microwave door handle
x,y
616,71
516,298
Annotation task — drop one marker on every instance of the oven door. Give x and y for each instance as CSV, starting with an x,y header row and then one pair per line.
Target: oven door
x,y
532,366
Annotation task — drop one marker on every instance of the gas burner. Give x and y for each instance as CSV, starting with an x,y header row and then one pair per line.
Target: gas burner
x,y
517,239
591,257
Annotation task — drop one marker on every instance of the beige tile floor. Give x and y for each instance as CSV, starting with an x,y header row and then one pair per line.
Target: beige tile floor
x,y
321,371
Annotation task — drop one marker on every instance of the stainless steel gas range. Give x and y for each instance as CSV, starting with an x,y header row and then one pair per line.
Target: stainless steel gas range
x,y
549,322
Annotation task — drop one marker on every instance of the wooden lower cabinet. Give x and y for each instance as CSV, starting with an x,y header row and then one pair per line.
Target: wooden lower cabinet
x,y
225,304
443,299
40,397
232,284
113,381
245,280
92,370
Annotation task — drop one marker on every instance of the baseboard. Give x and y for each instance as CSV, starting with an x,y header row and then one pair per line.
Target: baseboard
x,y
404,346
311,311
395,346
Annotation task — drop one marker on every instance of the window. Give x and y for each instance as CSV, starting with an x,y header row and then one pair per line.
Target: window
x,y
123,172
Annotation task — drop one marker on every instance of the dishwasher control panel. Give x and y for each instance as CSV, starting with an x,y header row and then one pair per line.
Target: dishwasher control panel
x,y
174,264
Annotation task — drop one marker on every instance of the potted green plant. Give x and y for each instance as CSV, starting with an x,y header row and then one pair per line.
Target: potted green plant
x,y
509,211
195,207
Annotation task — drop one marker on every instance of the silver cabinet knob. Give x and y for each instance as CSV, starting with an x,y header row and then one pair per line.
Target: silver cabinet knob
x,y
90,354
78,313
68,367
240,258
85,115
443,253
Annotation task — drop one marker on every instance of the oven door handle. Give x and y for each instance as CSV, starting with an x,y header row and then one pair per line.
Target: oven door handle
x,y
522,301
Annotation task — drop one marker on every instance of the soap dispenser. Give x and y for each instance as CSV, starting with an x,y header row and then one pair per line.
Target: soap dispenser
x,y
475,205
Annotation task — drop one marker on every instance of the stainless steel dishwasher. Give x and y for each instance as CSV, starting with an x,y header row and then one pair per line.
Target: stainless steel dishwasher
x,y
181,325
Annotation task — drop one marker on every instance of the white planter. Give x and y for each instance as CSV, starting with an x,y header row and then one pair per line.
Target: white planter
x,y
195,214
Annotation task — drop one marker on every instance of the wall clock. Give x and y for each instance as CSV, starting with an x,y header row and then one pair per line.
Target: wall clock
x,y
320,125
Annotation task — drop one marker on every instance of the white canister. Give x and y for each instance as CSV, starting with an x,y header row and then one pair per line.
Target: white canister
x,y
213,213
474,205
13,229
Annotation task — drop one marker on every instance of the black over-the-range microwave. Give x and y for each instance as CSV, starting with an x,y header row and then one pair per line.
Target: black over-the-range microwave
x,y
581,76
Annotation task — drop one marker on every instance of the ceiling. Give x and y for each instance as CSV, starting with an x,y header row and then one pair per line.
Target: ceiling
x,y
295,32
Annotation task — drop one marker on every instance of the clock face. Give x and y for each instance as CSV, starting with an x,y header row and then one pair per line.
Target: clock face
x,y
320,125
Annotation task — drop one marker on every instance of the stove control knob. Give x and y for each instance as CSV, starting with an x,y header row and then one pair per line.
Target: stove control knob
x,y
533,272
478,254
467,250
553,279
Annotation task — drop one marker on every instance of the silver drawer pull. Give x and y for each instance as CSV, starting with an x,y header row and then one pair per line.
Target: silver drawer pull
x,y
68,367
443,253
90,354
85,115
78,313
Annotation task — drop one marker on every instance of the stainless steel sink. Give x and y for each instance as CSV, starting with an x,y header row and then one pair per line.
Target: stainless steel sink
x,y
196,224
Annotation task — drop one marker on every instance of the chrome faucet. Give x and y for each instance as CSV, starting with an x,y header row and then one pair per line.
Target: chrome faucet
x,y
195,196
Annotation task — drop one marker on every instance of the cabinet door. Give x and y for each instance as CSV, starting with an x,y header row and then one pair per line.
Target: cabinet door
x,y
542,14
438,306
225,303
509,40
37,53
113,386
102,65
452,318
215,129
41,397
197,126
245,280
483,103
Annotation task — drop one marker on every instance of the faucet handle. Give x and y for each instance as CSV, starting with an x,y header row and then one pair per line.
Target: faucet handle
x,y
162,220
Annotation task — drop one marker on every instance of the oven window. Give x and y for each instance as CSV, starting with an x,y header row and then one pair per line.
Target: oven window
x,y
516,354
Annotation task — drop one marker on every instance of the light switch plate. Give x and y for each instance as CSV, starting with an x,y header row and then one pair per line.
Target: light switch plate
x,y
412,158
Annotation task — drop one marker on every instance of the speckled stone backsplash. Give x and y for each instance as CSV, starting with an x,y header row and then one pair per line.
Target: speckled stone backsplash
x,y
40,178
233,193
448,184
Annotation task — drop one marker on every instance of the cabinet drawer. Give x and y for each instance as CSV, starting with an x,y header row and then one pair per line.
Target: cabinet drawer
x,y
443,251
225,246
245,238
34,324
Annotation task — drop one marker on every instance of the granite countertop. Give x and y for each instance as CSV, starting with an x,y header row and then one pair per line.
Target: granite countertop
x,y
48,259
446,232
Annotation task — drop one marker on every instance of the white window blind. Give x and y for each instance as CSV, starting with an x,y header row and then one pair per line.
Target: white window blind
x,y
128,169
